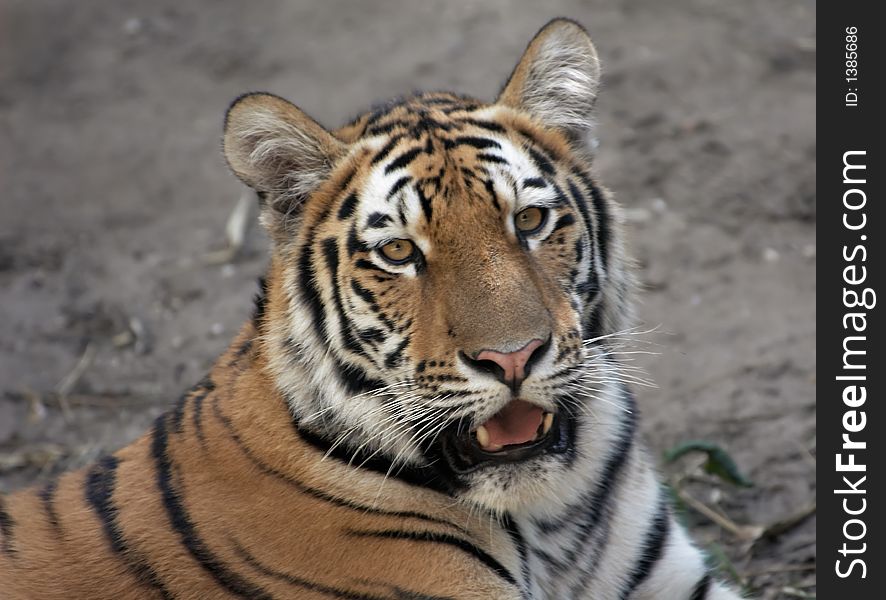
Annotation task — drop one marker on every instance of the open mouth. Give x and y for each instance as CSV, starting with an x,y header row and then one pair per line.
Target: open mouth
x,y
518,432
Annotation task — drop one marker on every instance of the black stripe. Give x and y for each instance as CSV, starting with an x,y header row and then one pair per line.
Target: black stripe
x,y
342,185
441,538
365,294
386,149
488,125
330,253
416,126
532,138
197,417
47,498
479,143
368,265
372,334
426,207
208,386
355,244
386,128
242,351
468,173
266,469
599,543
595,320
541,161
701,588
397,593
591,504
7,523
354,379
181,522
564,221
377,220
510,525
441,101
396,356
403,160
419,476
309,291
461,108
178,412
602,225
398,185
427,124
486,157
195,394
534,182
653,547
490,189
591,507
581,204
99,489
603,218
432,182
260,303
591,287
301,582
380,111
348,206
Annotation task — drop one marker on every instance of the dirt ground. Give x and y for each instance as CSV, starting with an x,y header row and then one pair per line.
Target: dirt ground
x,y
113,193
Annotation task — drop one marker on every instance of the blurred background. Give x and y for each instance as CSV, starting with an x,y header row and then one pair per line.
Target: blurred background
x,y
116,292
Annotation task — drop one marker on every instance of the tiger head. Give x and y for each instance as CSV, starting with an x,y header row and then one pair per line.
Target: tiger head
x,y
440,269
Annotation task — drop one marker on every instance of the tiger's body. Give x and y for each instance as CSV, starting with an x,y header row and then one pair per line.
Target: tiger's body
x,y
426,403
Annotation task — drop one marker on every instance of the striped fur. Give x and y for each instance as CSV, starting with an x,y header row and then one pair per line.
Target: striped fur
x,y
311,462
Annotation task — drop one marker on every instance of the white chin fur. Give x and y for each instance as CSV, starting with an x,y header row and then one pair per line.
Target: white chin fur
x,y
518,488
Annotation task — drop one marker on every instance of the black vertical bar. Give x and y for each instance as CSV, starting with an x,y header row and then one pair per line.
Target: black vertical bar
x,y
850,250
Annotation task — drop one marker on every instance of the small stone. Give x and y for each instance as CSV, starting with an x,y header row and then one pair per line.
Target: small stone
x,y
124,338
132,26
659,205
770,255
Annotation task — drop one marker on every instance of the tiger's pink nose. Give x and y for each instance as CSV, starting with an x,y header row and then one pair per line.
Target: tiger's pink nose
x,y
514,365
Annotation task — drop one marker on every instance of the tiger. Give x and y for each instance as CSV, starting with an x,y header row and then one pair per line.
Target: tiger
x,y
427,402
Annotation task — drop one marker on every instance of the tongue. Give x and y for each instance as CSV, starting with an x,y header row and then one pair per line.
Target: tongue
x,y
516,423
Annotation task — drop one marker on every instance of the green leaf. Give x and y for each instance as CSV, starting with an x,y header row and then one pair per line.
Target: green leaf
x,y
719,462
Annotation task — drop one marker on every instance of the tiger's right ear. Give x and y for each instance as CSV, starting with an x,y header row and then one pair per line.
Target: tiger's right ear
x,y
556,80
277,150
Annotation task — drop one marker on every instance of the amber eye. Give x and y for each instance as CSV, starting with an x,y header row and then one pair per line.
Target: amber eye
x,y
398,252
530,220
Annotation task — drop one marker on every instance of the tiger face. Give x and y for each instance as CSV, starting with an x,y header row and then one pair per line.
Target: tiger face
x,y
441,269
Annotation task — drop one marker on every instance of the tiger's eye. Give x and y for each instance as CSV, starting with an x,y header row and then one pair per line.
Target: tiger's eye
x,y
529,220
398,251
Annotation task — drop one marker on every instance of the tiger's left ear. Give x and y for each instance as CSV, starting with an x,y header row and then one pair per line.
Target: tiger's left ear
x,y
556,79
